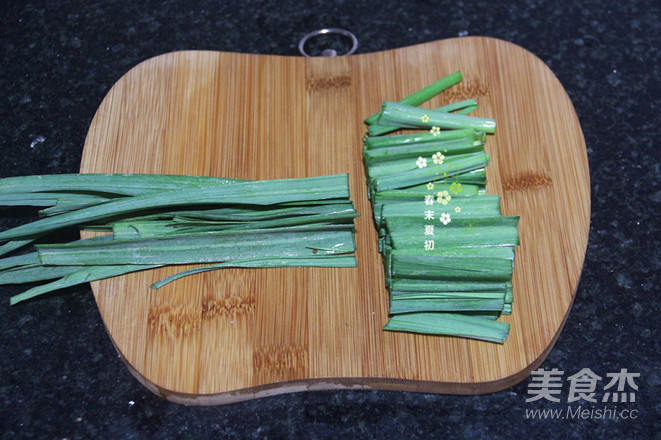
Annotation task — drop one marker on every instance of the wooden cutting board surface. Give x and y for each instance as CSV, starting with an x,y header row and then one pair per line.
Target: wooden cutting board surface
x,y
237,334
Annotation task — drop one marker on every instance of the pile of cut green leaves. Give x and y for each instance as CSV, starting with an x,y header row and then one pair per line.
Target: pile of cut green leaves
x,y
157,220
448,253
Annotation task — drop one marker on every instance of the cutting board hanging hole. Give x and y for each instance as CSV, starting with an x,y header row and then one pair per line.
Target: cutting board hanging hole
x,y
336,37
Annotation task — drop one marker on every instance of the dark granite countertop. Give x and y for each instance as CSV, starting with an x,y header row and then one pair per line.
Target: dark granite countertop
x,y
60,375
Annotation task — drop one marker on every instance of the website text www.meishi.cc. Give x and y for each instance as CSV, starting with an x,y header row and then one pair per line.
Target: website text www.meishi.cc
x,y
582,413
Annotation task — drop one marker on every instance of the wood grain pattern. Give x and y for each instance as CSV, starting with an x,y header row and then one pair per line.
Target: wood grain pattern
x,y
237,334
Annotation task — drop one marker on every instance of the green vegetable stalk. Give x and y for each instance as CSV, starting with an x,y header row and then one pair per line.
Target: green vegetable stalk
x,y
157,220
447,251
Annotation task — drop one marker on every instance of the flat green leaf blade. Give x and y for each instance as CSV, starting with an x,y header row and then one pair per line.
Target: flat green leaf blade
x,y
477,252
84,275
29,259
106,183
13,245
33,274
255,192
421,286
339,260
417,193
450,324
493,231
456,207
399,305
411,174
444,167
427,149
450,268
374,142
401,115
200,248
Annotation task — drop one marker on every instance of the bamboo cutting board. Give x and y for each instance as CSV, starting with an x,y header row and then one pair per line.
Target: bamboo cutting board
x,y
237,334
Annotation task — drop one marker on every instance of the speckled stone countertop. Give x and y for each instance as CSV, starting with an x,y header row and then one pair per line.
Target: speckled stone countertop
x,y
60,376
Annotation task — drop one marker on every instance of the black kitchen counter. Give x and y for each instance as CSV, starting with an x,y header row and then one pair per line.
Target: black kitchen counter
x,y
60,375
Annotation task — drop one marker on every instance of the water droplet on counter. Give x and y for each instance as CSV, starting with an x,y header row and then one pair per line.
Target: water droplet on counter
x,y
614,78
38,140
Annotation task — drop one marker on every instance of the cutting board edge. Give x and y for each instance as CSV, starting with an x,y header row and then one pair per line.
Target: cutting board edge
x,y
182,52
341,383
336,383
264,390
